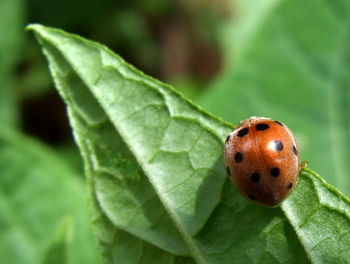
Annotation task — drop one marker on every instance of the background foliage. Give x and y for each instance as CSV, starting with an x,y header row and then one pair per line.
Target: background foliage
x,y
235,58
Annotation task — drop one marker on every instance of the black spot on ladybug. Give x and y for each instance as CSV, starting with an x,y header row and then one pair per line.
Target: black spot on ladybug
x,y
227,139
238,157
255,177
295,150
228,170
278,122
251,196
262,126
275,172
278,145
290,185
243,132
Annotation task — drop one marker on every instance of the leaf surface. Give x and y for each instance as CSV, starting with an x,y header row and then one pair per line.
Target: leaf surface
x,y
154,164
36,191
58,251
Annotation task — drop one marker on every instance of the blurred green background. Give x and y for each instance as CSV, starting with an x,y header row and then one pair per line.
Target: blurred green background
x,y
282,59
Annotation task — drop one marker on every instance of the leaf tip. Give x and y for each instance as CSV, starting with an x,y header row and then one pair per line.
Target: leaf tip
x,y
34,27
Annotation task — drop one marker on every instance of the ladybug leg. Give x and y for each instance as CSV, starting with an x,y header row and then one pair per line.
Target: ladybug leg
x,y
304,164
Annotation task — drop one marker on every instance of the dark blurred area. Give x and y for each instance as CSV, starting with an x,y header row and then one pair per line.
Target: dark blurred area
x,y
174,41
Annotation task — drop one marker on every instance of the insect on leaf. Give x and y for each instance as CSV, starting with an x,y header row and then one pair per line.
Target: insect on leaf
x,y
156,176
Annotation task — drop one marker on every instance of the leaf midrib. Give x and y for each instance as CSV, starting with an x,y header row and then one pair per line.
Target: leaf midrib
x,y
189,241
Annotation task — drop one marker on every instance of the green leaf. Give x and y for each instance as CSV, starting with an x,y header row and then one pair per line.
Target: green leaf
x,y
320,216
293,67
37,191
237,31
156,178
57,253
11,15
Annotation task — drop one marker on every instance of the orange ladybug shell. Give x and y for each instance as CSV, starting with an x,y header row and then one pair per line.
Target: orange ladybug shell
x,y
262,160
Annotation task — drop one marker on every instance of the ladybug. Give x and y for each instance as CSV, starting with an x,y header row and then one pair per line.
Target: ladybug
x,y
262,159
